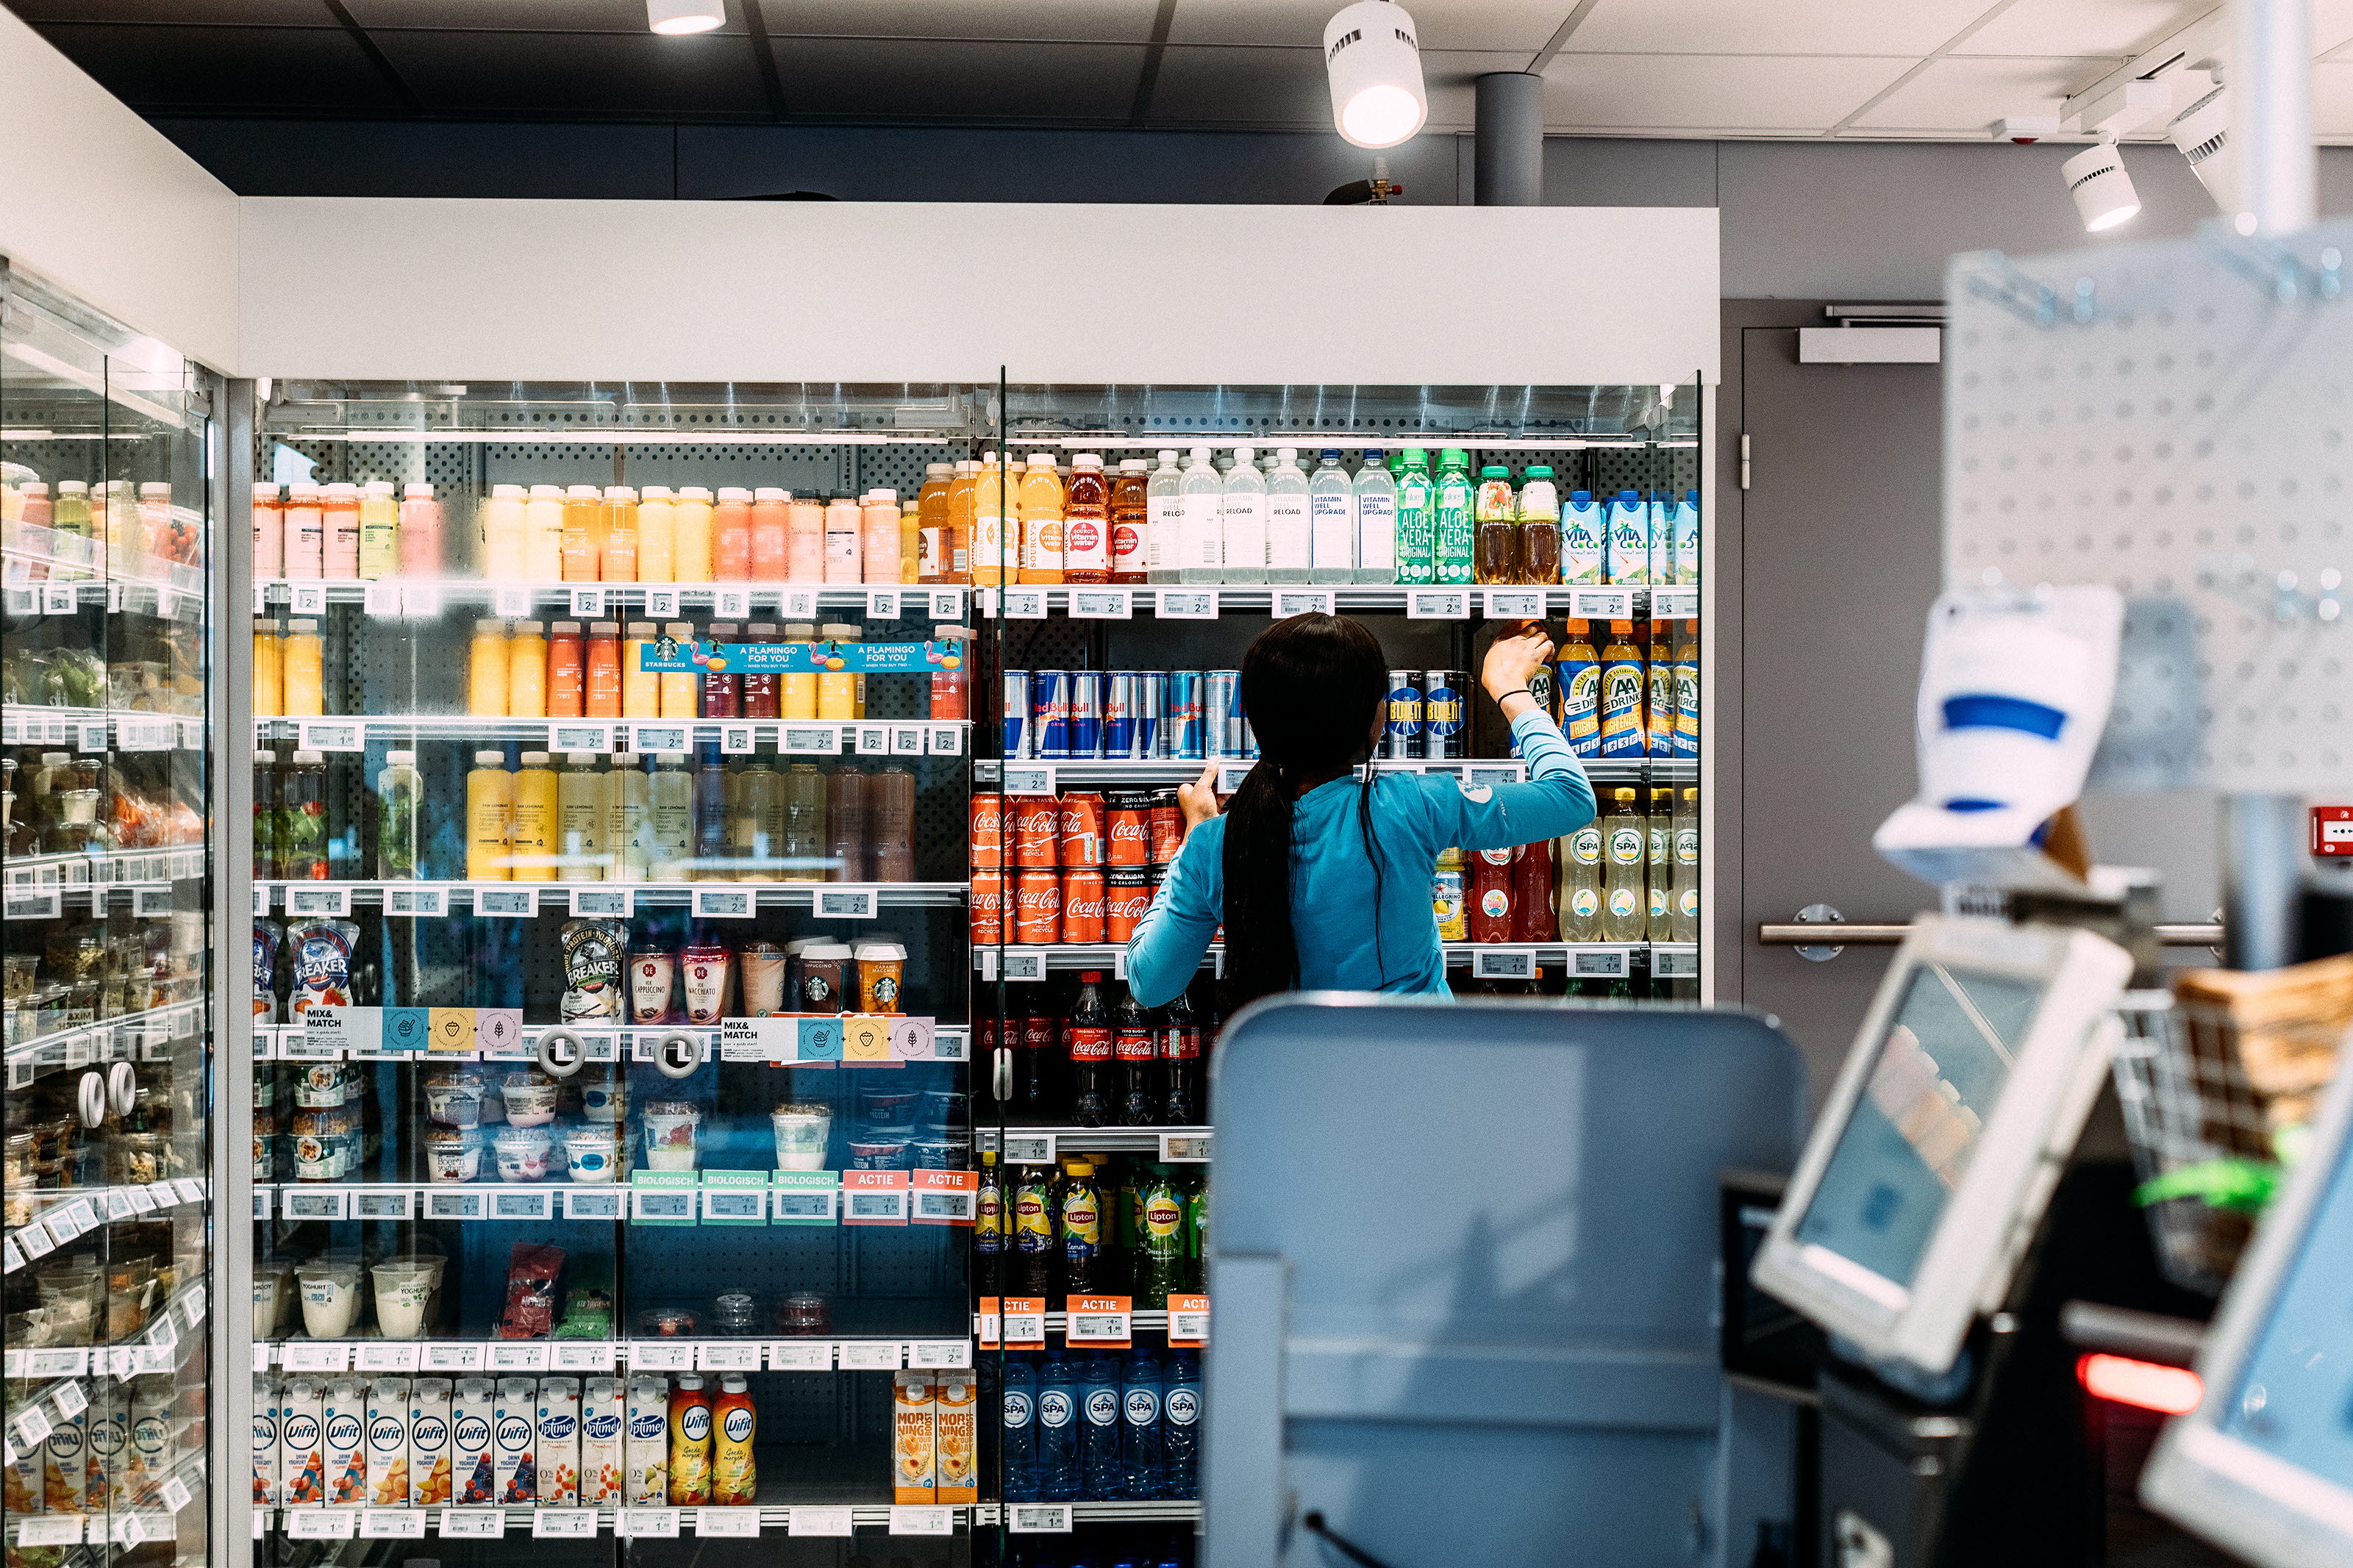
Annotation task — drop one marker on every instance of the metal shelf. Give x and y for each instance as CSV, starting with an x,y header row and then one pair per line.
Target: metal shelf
x,y
1117,771
132,1037
1153,1319
1592,959
521,1516
125,729
1623,601
750,1353
1171,1510
693,596
1091,1140
557,897
876,739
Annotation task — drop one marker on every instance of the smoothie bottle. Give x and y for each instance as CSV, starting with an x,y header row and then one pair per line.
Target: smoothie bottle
x,y
269,528
841,531
681,692
693,512
499,523
490,818
339,520
617,519
640,689
657,536
731,536
536,808
420,532
305,526
567,673
877,537
581,549
603,699
527,671
542,534
379,530
805,540
771,534
798,689
735,1479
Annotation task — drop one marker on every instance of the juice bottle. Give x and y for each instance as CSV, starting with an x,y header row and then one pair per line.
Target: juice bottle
x,y
542,534
992,498
839,690
1041,504
680,691
581,561
842,530
581,812
735,1480
604,672
305,665
911,541
798,690
670,819
1086,522
956,549
1495,546
486,663
305,525
878,536
489,818
537,805
1622,690
755,820
771,530
657,536
617,520
693,534
689,1441
731,536
339,532
268,667
420,532
932,523
1539,527
527,671
268,531
1130,519
1453,504
804,540
640,689
567,671
379,530
1659,693
761,687
722,693
499,523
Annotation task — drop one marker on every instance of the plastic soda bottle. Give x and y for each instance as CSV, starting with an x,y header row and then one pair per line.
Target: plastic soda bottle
x,y
1622,684
1660,864
1080,1230
1161,1237
1578,678
1140,1443
1684,926
1057,1429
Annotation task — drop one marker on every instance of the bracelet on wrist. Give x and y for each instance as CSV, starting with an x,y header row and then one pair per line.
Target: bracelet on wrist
x,y
1521,691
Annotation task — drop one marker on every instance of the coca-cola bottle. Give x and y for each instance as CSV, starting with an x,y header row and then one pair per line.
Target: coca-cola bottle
x,y
1137,1052
1487,901
1185,1098
1033,1061
1532,910
1087,1035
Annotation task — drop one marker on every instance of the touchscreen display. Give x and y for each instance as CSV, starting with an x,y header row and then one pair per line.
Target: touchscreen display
x,y
1933,1086
2295,1399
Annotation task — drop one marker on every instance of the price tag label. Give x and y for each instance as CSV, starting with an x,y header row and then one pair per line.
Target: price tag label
x,y
518,1356
593,1203
845,903
311,1356
570,736
803,1521
732,601
1503,964
392,1524
1601,604
1438,604
319,901
453,1206
415,901
1022,963
944,740
49,1529
918,1520
882,604
728,1355
388,1355
60,598
453,1358
20,904
1023,604
1231,776
315,1203
533,1204
1289,602
1515,603
1598,963
588,604
900,740
71,1400
1028,1148
661,604
1477,774
939,1353
798,604
1185,605
1103,1321
946,605
421,601
12,1259
474,1523
1675,962
730,1202
869,1355
873,740
873,1197
1183,1148
381,599
91,735
738,1521
1023,1321
510,603
32,1428
176,1494
563,1524
332,736
658,738
582,1356
321,1523
1028,778
809,739
724,904
800,1355
261,893
119,1204
649,1523
944,1197
1102,603
1675,604
505,901
146,734
737,740
1038,1518
606,903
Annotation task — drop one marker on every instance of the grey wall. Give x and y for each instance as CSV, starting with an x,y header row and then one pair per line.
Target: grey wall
x,y
1802,219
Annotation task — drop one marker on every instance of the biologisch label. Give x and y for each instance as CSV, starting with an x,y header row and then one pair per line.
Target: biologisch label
x,y
1621,710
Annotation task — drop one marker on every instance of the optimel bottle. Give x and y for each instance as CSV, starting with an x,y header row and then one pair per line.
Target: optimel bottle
x,y
1450,550
1417,520
1584,538
1163,510
1684,524
1101,1470
1377,520
1140,1446
1200,521
1626,841
1577,677
1242,518
1629,539
1331,521
1290,530
1621,693
1180,1424
1580,885
1057,1429
1017,1427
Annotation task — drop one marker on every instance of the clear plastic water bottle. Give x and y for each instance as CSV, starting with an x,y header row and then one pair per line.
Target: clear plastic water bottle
x,y
1139,1394
1019,1414
1331,521
1290,533
1244,519
1377,520
1200,522
1180,1424
1058,1430
1164,518
1101,1473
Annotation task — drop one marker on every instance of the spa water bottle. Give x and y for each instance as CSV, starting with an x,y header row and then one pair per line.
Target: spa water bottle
x,y
1058,1430
1101,1473
1180,1425
1140,1443
1018,1422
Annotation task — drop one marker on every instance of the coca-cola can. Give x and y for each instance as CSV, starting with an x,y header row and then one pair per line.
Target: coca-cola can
x,y
1037,828
1082,904
988,908
1083,828
1128,828
1038,907
1126,895
987,847
1167,827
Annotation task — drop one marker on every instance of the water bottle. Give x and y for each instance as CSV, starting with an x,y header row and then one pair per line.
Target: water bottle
x,y
1180,1425
1331,521
1290,528
1101,1475
1020,1412
1139,1394
1377,520
1243,514
1164,516
1058,1430
1201,527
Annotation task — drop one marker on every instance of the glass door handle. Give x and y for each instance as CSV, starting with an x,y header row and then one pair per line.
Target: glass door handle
x,y
561,1052
1000,1074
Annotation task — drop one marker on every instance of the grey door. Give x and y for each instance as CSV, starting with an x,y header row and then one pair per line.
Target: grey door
x,y
1839,564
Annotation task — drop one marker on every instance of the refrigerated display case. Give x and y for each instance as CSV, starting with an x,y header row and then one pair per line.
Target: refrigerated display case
x,y
108,481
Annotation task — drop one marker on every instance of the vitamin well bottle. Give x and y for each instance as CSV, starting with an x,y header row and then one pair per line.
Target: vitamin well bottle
x,y
640,687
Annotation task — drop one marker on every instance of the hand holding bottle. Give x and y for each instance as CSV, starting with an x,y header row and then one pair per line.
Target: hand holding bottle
x,y
1512,662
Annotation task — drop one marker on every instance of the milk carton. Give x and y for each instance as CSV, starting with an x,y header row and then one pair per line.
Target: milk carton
x,y
914,1468
515,1428
387,1442
429,1453
600,1443
154,1449
265,1443
473,1443
956,1443
644,1463
65,1464
302,1443
559,1441
346,1441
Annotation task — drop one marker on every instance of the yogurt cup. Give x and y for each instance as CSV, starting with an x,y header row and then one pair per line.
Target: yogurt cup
x,y
606,1101
672,1128
802,1131
879,1155
331,1298
452,1154
524,1154
530,1099
403,1290
273,1289
594,1152
452,1100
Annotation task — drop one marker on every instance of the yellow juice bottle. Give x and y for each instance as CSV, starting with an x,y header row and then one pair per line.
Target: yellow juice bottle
x,y
992,500
489,818
542,534
837,689
379,530
616,520
581,505
681,692
527,671
693,513
690,1441
501,531
486,665
583,808
657,536
640,689
911,541
932,523
304,659
1041,520
796,692
268,667
537,805
955,550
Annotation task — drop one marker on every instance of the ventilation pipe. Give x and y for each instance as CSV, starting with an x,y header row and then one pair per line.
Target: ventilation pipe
x,y
1508,171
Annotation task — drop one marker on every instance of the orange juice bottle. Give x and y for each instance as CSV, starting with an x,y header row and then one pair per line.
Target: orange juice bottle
x,y
536,804
486,682
731,536
542,534
581,504
734,1478
1041,520
693,534
771,531
657,536
640,689
603,671
305,669
992,502
955,549
932,524
617,519
681,691
527,671
268,667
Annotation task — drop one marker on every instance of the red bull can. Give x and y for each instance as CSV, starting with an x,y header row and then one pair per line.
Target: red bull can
x,y
1122,728
1221,713
1183,716
1017,738
1086,714
1049,714
1152,708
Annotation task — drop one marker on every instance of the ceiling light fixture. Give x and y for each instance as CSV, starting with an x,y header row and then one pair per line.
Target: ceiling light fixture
x,y
676,16
1375,71
2202,133
2104,193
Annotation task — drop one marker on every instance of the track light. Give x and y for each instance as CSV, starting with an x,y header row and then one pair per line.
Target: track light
x,y
1375,70
2202,133
2104,193
685,15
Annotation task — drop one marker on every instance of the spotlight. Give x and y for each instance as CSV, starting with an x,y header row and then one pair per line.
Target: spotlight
x,y
685,15
2202,133
1376,70
2104,193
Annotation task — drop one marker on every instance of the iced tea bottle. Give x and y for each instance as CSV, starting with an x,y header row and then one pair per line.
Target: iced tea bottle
x,y
1539,527
1086,522
1497,542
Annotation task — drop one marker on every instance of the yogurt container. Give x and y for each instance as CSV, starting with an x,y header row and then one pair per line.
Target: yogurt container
x,y
595,1153
453,1154
524,1153
606,1100
331,1298
454,1099
403,1290
801,1131
530,1099
672,1131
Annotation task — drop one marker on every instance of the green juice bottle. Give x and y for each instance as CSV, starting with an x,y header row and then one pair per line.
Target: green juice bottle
x,y
1452,551
1417,520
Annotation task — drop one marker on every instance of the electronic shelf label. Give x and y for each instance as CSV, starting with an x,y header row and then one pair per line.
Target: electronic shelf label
x,y
918,1518
1515,603
331,735
1285,603
882,604
1601,964
392,1524
1503,963
473,1523
564,1524
1023,604
1185,605
1438,604
422,901
648,1523
388,1355
802,1521
1038,1518
1102,603
1601,604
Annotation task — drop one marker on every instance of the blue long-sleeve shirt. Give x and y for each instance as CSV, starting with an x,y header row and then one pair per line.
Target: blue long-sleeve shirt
x,y
1334,914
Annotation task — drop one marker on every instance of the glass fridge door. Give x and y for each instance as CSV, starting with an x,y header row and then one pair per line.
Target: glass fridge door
x,y
106,468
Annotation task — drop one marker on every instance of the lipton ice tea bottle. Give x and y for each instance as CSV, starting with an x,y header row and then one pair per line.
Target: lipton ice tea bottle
x,y
694,535
877,537
689,1441
657,536
640,689
957,548
731,536
499,523
527,671
992,503
486,671
734,1478
771,534
1041,520
489,818
930,524
618,520
805,540
542,534
681,692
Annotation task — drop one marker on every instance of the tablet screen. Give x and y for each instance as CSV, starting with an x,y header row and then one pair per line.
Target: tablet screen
x,y
2295,1397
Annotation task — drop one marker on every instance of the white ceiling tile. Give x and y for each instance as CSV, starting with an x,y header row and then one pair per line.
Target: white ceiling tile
x,y
2048,28
2332,25
1912,27
1959,94
512,15
1076,21
2332,100
1525,25
924,79
1673,93
1203,85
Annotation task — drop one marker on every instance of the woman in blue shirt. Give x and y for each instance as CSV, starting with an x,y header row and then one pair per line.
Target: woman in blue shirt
x,y
1322,881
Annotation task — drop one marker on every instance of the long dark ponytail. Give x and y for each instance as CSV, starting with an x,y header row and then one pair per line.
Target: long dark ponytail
x,y
1312,686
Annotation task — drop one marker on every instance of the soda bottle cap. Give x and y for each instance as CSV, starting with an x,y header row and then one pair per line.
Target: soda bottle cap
x,y
418,493
397,758
1581,498
1539,471
1495,471
534,759
1080,1168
